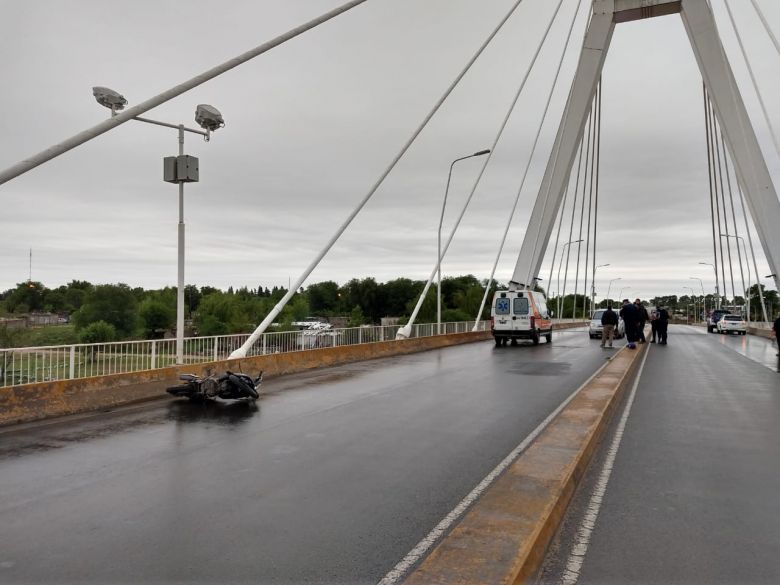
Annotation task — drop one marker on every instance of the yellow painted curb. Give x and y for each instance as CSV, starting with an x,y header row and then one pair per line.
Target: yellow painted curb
x,y
504,536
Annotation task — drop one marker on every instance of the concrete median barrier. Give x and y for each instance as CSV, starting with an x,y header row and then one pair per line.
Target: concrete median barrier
x,y
504,536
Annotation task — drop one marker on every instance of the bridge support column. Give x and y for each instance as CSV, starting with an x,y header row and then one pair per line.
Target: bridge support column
x,y
594,51
749,162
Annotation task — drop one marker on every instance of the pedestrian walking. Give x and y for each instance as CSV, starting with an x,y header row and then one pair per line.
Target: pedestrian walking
x,y
609,322
643,318
663,325
630,316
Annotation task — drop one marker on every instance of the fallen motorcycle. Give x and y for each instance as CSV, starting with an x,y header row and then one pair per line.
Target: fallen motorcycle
x,y
228,386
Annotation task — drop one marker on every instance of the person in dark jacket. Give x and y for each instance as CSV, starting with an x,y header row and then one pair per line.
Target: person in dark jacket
x,y
630,315
776,331
643,318
662,324
609,323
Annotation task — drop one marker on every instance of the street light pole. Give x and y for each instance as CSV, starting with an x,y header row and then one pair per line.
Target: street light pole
x,y
176,169
609,288
703,296
593,288
438,245
717,288
620,294
560,265
693,297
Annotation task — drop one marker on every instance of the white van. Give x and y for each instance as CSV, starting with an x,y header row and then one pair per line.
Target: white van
x,y
520,314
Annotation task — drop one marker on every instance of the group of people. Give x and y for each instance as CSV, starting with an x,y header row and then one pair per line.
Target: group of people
x,y
635,316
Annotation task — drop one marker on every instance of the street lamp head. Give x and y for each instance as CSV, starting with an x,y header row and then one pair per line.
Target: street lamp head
x,y
481,152
109,98
208,117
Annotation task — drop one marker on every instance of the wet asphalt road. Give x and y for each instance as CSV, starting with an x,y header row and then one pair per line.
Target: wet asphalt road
x,y
332,478
694,494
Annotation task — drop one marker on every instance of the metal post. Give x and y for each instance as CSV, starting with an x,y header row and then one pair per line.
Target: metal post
x,y
153,363
180,288
72,364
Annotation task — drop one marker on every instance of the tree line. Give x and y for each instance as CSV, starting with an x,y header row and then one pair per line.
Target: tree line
x,y
112,312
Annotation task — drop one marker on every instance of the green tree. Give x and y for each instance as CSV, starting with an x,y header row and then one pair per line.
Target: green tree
x,y
113,303
157,317
98,332
323,297
356,317
26,297
222,313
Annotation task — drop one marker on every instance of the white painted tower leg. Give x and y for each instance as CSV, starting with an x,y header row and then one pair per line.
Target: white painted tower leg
x,y
749,162
594,50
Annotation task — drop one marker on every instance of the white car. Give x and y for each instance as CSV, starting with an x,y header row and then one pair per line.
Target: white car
x,y
732,324
596,329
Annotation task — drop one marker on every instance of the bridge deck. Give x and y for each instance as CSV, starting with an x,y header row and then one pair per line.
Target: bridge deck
x,y
333,478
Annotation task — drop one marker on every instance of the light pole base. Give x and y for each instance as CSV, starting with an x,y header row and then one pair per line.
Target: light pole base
x,y
404,332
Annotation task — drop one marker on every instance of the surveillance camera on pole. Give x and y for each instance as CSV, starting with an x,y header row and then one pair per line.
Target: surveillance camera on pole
x,y
106,97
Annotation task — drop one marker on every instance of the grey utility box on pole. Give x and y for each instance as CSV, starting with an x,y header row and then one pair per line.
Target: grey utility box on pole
x,y
180,169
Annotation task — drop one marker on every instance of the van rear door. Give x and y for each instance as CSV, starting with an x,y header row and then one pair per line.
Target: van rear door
x,y
520,310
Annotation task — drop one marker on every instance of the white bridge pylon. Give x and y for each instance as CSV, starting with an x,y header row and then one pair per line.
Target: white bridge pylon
x,y
749,162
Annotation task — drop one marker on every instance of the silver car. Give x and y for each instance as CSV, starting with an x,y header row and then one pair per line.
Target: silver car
x,y
595,329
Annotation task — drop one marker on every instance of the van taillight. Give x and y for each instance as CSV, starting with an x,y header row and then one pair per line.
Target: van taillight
x,y
533,322
492,323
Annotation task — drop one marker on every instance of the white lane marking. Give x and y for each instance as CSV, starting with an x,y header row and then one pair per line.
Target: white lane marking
x,y
582,540
399,571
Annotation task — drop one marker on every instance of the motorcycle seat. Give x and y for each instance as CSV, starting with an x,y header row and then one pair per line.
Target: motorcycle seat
x,y
188,377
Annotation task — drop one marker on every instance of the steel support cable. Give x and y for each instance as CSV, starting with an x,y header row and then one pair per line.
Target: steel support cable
x,y
715,237
405,331
725,213
130,113
555,250
713,134
582,217
527,167
241,352
573,212
752,253
766,25
596,197
753,79
733,213
590,204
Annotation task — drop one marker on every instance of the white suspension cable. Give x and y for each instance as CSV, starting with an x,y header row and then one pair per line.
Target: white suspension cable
x,y
561,299
241,351
525,172
406,330
590,203
725,214
753,79
130,113
734,216
752,253
766,26
582,215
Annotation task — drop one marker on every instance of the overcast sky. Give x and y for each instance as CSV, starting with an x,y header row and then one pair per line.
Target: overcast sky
x,y
311,124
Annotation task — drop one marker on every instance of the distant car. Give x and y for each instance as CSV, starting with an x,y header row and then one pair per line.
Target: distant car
x,y
732,324
595,330
715,316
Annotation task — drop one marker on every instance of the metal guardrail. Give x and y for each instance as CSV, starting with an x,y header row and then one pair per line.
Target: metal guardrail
x,y
27,365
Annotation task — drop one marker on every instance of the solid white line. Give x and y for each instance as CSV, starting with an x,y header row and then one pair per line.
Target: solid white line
x,y
582,540
422,547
